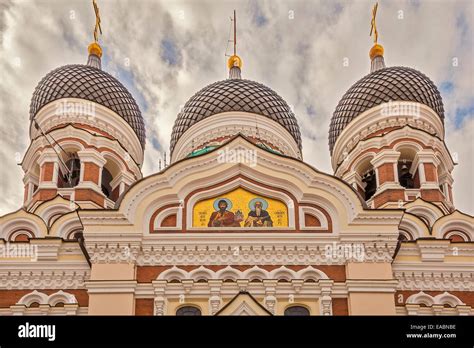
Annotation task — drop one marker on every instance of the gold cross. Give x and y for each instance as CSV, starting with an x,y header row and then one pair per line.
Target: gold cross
x,y
373,28
97,22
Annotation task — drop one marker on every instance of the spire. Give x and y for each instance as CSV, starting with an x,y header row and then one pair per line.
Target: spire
x,y
95,51
376,52
234,63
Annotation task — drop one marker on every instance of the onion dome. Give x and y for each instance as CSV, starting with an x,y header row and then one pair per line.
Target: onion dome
x,y
91,83
235,94
382,85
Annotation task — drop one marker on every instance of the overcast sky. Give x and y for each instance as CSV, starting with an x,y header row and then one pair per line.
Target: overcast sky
x,y
165,51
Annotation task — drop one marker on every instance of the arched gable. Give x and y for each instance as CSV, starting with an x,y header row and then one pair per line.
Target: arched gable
x,y
278,177
22,220
426,210
452,223
54,208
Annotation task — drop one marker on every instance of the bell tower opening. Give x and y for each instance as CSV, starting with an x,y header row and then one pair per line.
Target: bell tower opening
x,y
70,173
368,177
110,173
406,172
370,180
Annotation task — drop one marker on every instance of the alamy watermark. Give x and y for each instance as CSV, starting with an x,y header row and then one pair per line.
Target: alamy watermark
x,y
345,251
80,108
19,250
245,156
37,331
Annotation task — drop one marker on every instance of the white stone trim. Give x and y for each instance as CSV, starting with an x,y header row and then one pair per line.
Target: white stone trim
x,y
165,213
234,248
103,119
347,156
315,212
22,223
428,300
228,124
42,298
374,119
62,135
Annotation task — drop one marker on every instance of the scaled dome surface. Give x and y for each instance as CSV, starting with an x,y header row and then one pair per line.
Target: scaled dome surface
x,y
235,95
381,86
93,84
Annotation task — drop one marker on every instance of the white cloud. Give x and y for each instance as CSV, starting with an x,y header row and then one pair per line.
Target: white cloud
x,y
301,58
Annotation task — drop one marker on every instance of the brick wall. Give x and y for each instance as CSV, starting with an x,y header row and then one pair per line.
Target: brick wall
x,y
91,172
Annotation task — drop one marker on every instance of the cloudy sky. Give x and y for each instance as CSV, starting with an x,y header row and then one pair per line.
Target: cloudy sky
x,y
164,51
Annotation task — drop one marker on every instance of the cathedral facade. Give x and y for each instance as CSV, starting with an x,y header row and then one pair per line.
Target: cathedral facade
x,y
238,223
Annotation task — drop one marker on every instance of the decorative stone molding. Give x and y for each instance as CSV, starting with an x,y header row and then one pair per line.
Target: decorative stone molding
x,y
325,301
19,220
270,303
416,309
124,179
103,119
42,298
432,250
316,213
396,139
251,252
456,221
30,180
294,175
80,139
236,275
46,304
421,159
434,281
374,120
43,279
444,298
229,124
159,305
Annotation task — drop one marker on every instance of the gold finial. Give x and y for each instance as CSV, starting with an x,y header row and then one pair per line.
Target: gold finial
x,y
376,50
234,60
94,48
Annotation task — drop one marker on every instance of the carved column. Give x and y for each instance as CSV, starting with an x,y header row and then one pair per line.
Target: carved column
x,y
215,298
270,291
160,297
326,299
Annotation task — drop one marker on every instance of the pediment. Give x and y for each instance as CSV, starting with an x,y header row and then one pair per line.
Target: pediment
x,y
243,304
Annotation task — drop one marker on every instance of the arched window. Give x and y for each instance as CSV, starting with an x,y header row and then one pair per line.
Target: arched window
x,y
296,311
110,171
370,181
106,180
188,310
